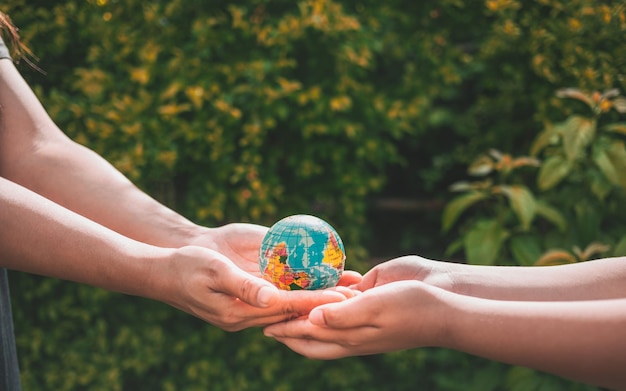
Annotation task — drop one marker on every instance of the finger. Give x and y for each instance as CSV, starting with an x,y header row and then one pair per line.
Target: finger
x,y
347,292
296,303
316,350
359,311
288,305
349,277
252,290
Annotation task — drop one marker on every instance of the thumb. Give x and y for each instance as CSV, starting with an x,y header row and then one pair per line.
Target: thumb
x,y
246,287
257,292
358,311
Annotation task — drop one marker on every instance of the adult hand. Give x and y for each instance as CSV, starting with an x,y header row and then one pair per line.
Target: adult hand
x,y
208,285
394,316
240,242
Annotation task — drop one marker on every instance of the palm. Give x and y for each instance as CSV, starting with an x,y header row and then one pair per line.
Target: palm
x,y
239,242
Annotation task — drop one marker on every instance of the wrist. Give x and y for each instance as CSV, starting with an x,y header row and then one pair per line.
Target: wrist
x,y
150,275
453,319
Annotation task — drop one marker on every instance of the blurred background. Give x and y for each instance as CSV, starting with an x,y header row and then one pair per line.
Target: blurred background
x,y
488,132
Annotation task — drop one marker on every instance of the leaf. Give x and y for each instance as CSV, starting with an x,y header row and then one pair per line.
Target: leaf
x,y
620,105
547,137
483,242
461,186
522,202
600,157
600,186
525,249
574,93
556,257
619,127
551,214
454,247
593,249
457,206
577,133
620,248
552,171
617,156
483,165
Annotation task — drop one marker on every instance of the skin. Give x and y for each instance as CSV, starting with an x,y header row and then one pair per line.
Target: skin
x,y
568,320
67,213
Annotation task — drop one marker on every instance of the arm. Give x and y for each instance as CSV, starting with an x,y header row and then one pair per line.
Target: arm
x,y
581,340
598,279
37,155
97,211
41,237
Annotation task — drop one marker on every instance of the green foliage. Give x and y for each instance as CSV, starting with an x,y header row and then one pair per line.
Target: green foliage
x,y
581,186
253,110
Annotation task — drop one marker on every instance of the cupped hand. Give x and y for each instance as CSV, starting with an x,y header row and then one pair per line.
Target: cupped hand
x,y
208,285
397,315
410,267
239,242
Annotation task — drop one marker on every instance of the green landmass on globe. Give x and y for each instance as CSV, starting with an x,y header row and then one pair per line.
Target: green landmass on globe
x,y
302,252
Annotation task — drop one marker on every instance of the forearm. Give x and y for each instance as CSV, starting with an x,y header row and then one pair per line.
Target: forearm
x,y
80,180
599,279
37,155
584,340
41,237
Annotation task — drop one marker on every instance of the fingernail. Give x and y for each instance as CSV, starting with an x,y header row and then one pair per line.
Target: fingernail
x,y
317,317
266,295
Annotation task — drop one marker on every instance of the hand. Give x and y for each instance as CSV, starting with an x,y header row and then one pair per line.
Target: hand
x,y
411,267
206,284
394,316
239,242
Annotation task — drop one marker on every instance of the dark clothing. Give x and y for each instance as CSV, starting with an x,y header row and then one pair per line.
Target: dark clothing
x,y
9,370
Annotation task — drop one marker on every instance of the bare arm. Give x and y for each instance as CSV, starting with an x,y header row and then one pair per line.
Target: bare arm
x,y
580,340
39,236
598,279
37,155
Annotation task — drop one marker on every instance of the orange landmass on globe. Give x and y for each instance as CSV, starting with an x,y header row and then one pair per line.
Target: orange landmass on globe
x,y
280,274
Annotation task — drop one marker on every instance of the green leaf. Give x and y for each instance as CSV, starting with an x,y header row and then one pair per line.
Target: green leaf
x,y
620,248
454,247
522,202
457,206
552,171
547,137
525,249
577,133
551,214
601,158
484,241
617,155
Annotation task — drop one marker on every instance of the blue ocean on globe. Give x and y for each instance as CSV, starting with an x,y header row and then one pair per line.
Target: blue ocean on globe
x,y
302,252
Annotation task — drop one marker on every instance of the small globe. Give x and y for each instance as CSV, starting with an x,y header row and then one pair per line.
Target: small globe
x,y
302,252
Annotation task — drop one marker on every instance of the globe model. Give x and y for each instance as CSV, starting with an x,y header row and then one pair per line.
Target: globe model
x,y
302,252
